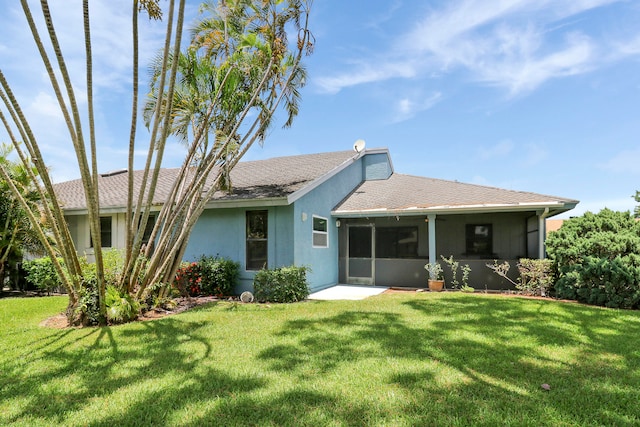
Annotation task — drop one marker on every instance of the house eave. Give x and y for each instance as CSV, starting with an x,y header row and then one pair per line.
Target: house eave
x,y
247,203
555,208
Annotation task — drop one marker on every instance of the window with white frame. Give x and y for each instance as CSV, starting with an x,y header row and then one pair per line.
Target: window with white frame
x,y
320,232
105,232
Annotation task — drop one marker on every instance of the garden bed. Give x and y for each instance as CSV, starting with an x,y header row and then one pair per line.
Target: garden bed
x,y
59,321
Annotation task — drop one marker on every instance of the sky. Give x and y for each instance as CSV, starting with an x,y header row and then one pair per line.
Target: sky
x,y
530,95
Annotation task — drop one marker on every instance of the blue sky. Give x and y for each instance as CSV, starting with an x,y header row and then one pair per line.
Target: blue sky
x,y
532,95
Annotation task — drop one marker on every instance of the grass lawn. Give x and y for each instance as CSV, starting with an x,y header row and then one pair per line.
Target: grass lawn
x,y
391,360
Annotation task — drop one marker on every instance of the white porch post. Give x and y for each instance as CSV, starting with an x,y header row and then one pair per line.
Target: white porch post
x,y
433,256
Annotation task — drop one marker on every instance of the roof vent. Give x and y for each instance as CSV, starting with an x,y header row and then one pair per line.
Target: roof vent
x,y
113,173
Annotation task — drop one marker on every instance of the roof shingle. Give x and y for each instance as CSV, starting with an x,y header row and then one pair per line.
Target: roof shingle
x,y
406,192
276,177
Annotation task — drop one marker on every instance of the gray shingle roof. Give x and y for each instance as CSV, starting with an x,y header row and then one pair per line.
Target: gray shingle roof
x,y
410,193
272,178
282,176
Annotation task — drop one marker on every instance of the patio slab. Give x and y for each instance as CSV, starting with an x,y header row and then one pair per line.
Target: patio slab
x,y
347,292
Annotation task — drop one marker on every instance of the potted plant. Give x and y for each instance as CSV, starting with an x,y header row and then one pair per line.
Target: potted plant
x,y
436,276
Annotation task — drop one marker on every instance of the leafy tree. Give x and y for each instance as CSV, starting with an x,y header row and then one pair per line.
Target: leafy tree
x,y
636,211
239,70
597,259
17,235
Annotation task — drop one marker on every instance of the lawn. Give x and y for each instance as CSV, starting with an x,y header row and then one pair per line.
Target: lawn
x,y
391,360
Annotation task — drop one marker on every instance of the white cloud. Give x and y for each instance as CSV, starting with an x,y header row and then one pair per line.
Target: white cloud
x,y
627,161
500,150
511,44
523,72
46,106
626,48
366,73
408,107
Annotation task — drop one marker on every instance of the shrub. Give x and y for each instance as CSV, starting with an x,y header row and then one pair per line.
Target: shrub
x,y
453,266
88,308
219,275
121,307
209,276
188,279
595,258
536,276
42,274
284,284
113,263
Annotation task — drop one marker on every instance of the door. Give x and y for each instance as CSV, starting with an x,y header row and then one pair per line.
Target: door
x,y
360,256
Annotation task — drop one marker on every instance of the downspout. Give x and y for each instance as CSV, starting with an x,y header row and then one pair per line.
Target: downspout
x,y
431,221
542,233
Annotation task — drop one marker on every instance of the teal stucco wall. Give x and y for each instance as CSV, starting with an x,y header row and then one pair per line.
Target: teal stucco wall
x,y
222,232
320,202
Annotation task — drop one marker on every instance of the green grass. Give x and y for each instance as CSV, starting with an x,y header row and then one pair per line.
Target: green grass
x,y
391,360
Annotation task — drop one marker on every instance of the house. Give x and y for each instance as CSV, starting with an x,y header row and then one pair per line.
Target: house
x,y
554,225
347,215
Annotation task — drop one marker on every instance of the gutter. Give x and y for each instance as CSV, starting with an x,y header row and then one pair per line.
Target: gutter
x,y
550,209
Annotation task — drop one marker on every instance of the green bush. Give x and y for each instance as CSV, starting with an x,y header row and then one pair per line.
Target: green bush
x,y
88,309
596,259
284,284
42,274
219,275
536,276
113,264
209,276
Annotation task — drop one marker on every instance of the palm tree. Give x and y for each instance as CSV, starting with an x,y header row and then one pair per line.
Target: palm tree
x,y
239,62
17,236
230,84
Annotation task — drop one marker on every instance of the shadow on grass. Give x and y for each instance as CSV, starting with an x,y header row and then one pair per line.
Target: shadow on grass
x,y
477,360
452,360
155,375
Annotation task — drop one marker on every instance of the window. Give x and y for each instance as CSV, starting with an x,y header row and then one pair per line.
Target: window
x,y
479,239
320,234
397,242
257,247
105,232
151,222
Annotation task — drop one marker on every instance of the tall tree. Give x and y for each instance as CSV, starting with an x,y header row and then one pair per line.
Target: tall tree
x,y
220,95
636,211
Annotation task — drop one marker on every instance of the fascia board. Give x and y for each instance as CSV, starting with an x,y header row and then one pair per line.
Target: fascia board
x,y
248,203
217,204
555,208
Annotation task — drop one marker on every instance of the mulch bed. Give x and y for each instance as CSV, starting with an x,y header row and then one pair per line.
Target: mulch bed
x,y
59,321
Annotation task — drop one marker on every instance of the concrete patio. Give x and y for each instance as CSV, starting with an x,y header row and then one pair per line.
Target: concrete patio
x,y
347,292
